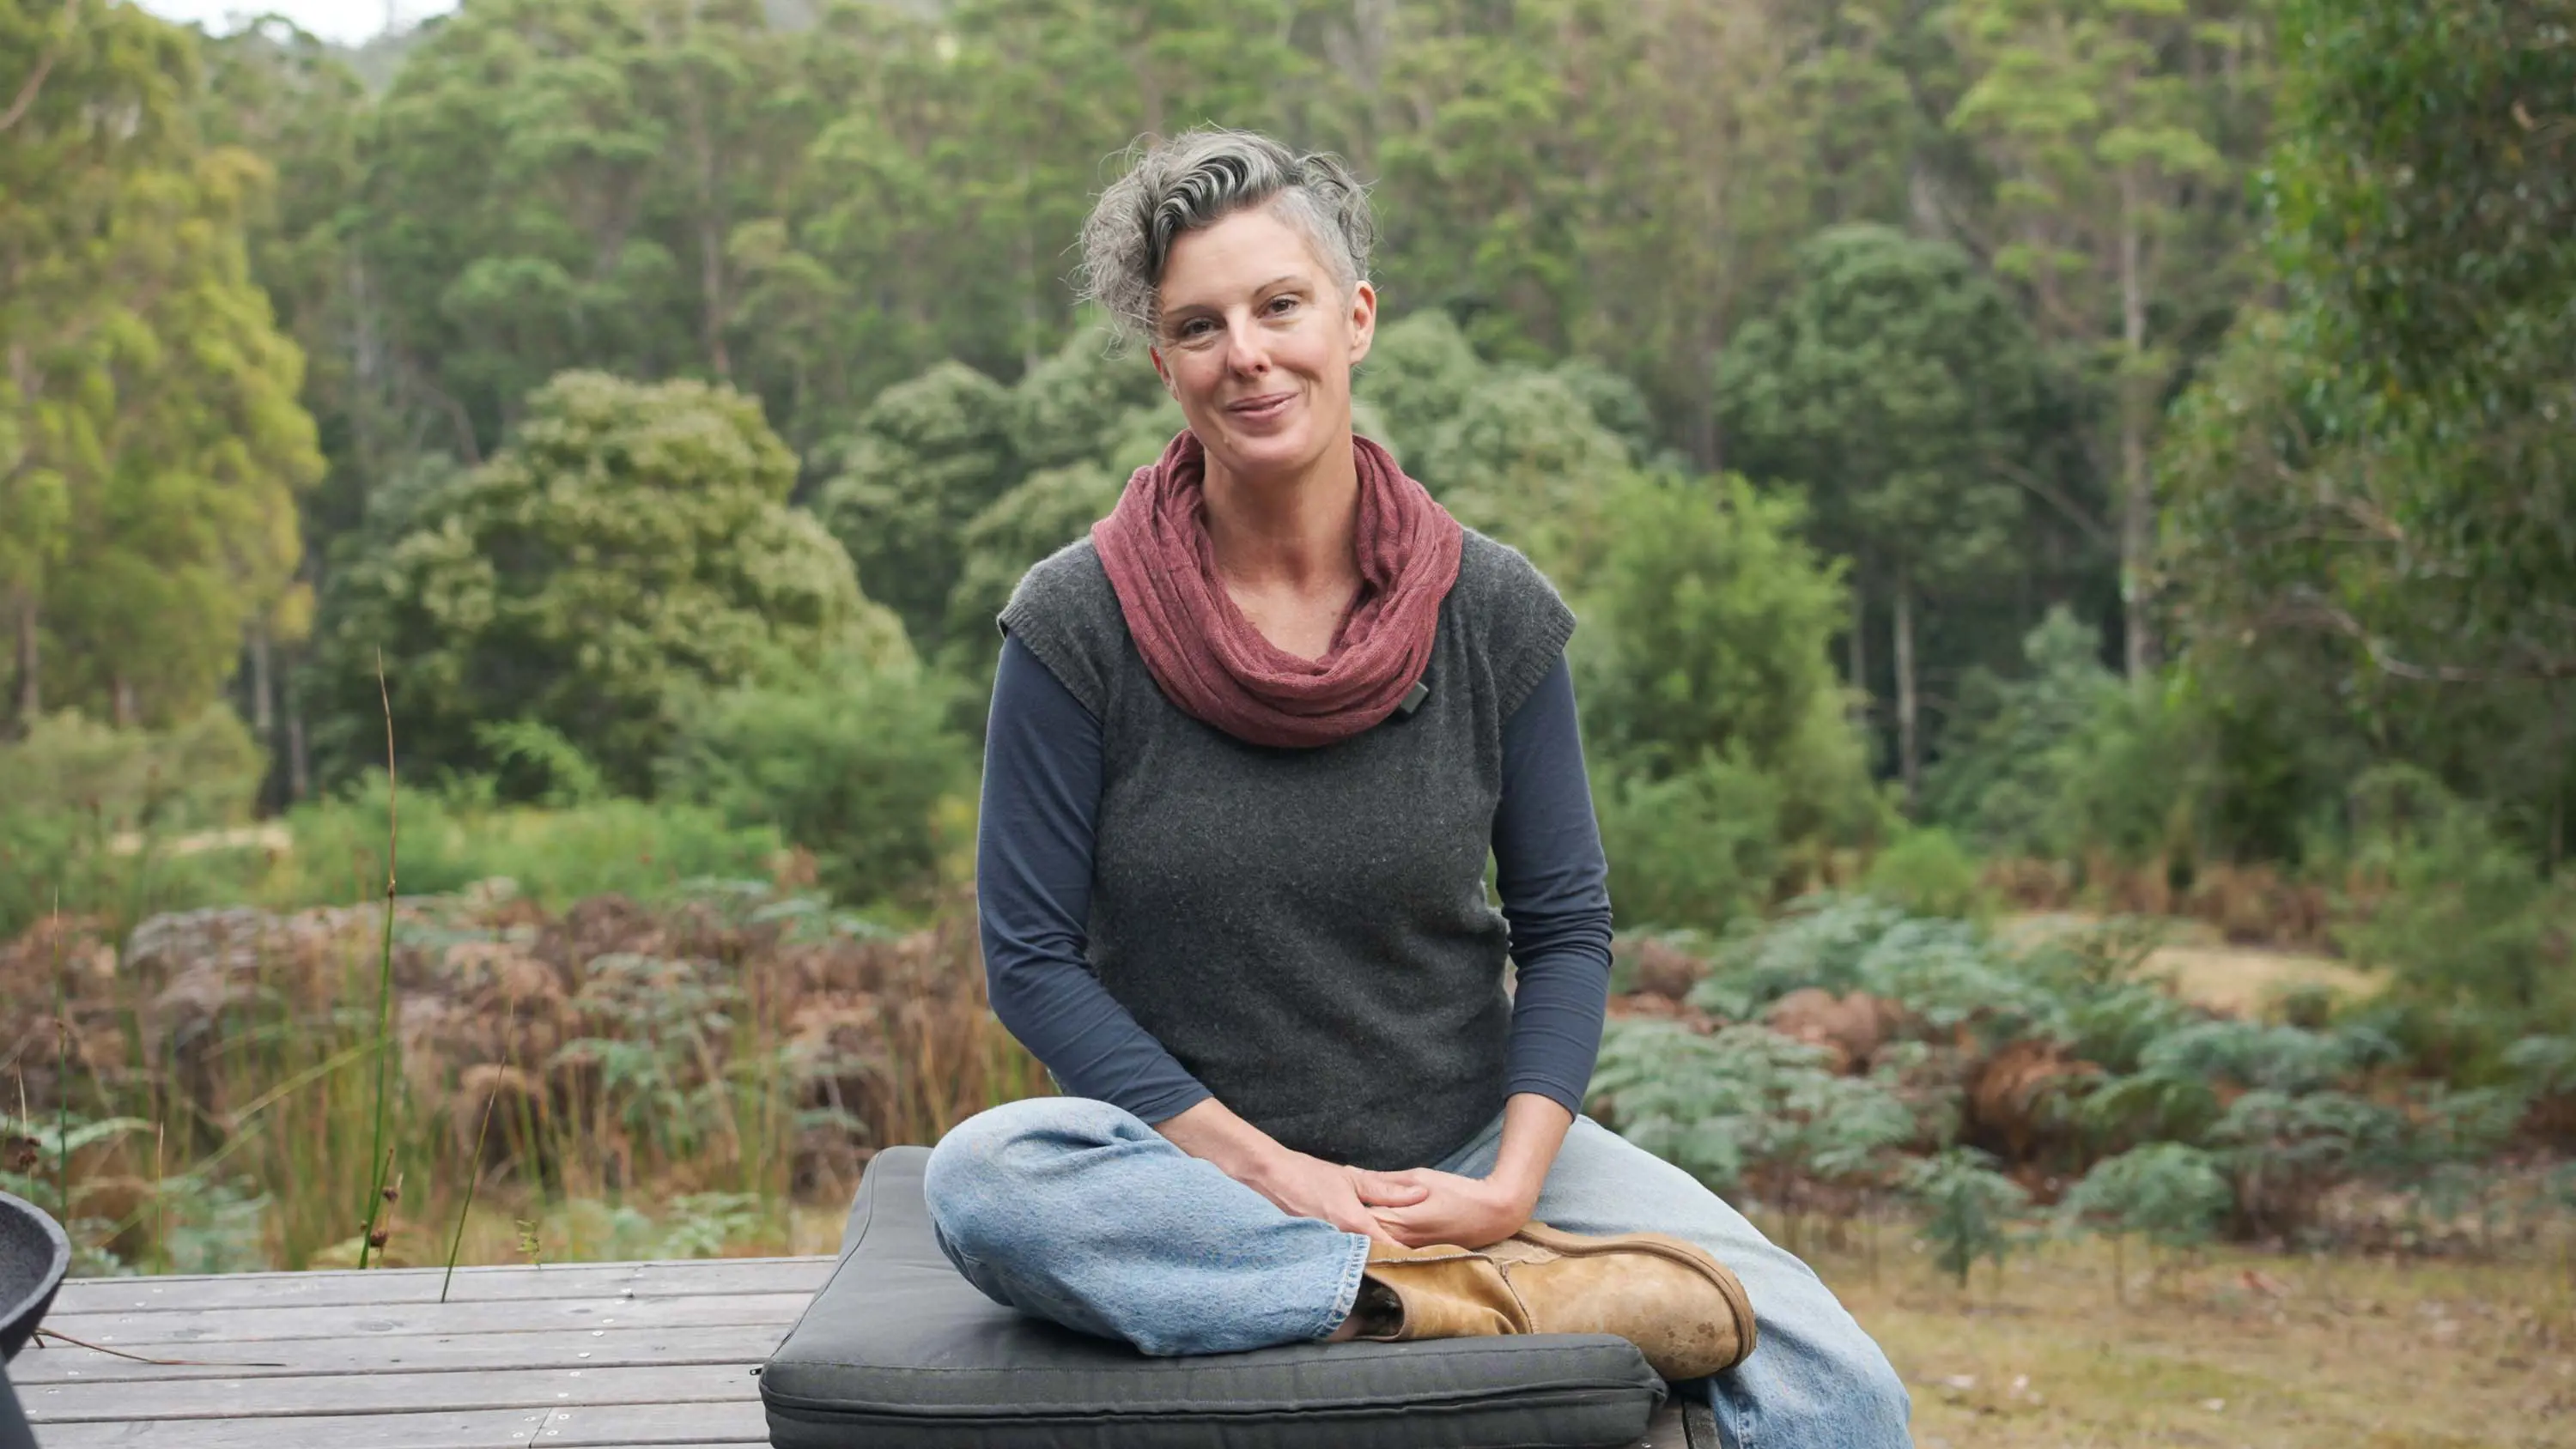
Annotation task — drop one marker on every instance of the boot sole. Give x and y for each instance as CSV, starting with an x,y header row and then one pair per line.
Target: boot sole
x,y
1663,1245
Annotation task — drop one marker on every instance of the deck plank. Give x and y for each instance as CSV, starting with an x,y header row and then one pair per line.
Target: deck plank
x,y
509,1283
741,1421
59,1363
167,1333
280,1396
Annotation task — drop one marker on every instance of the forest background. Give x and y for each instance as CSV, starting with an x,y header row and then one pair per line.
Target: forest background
x,y
2100,458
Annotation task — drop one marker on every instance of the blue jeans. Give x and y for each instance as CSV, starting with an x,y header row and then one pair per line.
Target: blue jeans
x,y
1077,1211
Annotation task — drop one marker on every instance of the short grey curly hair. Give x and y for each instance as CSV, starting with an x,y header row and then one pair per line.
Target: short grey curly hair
x,y
1197,179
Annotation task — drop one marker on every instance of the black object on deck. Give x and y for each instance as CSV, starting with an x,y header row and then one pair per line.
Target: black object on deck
x,y
34,1256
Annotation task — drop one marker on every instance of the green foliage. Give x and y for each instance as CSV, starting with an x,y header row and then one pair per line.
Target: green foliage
x,y
151,439
1927,871
1897,386
2170,1193
570,778
952,485
1522,457
118,822
706,1224
1700,848
2005,761
2468,920
1968,1209
201,772
1522,453
1714,618
851,762
1746,1108
1418,373
2114,129
1947,973
455,836
928,455
1054,507
631,545
2133,781
2375,472
1089,404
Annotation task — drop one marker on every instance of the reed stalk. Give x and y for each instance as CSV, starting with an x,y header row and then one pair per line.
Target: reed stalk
x,y
376,1155
473,1176
62,1078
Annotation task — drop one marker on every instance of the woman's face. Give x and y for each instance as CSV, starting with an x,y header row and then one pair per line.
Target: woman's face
x,y
1257,342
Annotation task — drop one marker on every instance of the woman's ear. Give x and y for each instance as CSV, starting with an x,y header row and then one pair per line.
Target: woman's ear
x,y
1155,355
1363,320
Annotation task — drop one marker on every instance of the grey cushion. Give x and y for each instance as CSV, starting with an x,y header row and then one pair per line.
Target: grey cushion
x,y
899,1352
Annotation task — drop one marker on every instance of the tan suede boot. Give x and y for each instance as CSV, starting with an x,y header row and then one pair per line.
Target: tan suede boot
x,y
1682,1308
1438,1292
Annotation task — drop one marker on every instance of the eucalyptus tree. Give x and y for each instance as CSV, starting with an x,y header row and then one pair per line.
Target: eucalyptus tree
x,y
1897,385
151,443
2120,133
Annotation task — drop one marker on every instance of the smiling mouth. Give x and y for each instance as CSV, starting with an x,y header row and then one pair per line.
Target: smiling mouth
x,y
1261,407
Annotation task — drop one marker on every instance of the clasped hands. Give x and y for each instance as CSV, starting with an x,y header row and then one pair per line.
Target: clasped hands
x,y
1412,1208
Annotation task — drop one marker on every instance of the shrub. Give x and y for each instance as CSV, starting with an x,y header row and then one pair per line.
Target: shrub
x,y
1697,849
91,815
455,835
1928,872
851,763
1968,1209
1713,621
1748,1109
202,773
2170,1193
2465,918
1999,777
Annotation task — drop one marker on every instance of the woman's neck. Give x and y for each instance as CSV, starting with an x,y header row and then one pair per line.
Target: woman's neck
x,y
1291,533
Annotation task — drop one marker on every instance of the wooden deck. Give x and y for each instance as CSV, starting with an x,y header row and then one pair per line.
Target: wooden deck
x,y
548,1357
559,1356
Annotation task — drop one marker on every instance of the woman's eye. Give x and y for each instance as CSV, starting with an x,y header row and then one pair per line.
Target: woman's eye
x,y
1281,304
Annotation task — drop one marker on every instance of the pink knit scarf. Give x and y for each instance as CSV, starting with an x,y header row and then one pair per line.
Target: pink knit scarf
x,y
1215,665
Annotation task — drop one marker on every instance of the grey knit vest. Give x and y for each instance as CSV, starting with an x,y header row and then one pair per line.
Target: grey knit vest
x,y
1308,931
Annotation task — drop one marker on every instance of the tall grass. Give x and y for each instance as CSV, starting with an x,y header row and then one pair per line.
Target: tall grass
x,y
613,1072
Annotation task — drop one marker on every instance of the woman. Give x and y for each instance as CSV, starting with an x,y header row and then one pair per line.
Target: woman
x,y
1251,745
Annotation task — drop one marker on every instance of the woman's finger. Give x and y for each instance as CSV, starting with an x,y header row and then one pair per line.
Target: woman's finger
x,y
1389,1189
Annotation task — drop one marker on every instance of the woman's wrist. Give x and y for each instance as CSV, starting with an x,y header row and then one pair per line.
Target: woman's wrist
x,y
1209,1130
1534,1127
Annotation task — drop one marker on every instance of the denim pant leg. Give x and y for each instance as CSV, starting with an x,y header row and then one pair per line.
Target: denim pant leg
x,y
1078,1212
1815,1379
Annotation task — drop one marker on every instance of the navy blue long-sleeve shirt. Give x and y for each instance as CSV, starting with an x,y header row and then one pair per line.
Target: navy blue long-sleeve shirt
x,y
1042,786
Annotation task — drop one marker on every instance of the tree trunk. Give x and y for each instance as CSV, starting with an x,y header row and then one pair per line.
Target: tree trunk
x,y
121,705
31,695
1909,751
299,770
1858,647
713,308
1028,264
2137,486
263,692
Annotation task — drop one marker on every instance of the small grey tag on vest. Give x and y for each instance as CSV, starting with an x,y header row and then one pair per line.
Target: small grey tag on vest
x,y
1413,698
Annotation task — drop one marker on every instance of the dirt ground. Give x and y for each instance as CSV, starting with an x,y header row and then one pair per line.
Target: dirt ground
x,y
2241,1351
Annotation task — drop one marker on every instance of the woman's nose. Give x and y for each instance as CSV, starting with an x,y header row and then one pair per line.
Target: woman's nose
x,y
1246,351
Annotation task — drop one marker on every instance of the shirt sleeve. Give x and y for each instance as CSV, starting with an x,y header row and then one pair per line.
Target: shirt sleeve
x,y
1033,864
1554,883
